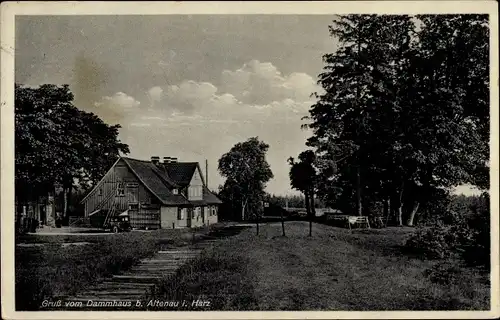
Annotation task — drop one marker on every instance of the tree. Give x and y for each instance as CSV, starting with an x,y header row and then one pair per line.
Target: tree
x,y
56,143
346,120
303,178
450,131
247,172
398,110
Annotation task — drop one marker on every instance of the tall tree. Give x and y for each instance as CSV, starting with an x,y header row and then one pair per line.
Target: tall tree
x,y
303,178
346,116
246,171
56,143
401,111
450,131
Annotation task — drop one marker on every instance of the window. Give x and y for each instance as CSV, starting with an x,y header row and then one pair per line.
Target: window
x,y
99,192
180,213
175,191
133,206
195,192
120,192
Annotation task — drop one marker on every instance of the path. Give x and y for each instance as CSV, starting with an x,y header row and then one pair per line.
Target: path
x,y
132,285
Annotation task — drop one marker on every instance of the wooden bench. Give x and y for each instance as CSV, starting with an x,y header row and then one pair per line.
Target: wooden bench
x,y
358,220
349,220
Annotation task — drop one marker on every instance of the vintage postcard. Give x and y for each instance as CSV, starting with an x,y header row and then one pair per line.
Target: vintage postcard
x,y
249,160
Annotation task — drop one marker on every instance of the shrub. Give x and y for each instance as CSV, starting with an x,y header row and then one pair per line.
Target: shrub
x,y
432,243
476,247
463,233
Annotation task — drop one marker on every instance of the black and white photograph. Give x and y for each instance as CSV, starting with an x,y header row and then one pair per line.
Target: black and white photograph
x,y
172,161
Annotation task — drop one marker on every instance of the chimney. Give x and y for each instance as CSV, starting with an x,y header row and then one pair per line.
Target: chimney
x,y
166,159
173,160
155,159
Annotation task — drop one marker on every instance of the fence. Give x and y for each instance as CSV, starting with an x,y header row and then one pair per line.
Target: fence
x,y
79,221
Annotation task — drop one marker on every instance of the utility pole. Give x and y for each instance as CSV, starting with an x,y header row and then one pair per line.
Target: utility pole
x,y
206,172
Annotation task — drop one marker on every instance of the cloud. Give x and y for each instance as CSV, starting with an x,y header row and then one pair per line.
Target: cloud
x,y
261,83
139,124
198,121
188,96
118,100
115,108
256,84
155,94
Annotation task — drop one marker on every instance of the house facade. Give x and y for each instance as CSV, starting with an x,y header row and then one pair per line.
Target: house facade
x,y
154,194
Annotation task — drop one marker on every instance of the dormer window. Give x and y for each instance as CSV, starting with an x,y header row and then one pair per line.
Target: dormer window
x,y
175,191
120,192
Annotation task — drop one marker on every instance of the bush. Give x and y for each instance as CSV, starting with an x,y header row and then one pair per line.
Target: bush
x,y
376,222
476,247
465,235
432,243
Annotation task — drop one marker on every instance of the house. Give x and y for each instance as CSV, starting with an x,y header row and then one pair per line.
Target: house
x,y
155,194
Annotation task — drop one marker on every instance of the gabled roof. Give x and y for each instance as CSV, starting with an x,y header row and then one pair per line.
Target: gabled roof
x,y
181,172
161,179
156,181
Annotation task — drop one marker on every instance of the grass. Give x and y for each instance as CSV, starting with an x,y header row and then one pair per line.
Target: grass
x,y
51,270
223,280
334,270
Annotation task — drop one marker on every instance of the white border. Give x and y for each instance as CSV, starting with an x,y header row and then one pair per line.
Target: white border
x,y
10,9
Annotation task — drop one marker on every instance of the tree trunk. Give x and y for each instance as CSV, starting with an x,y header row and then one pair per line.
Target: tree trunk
x,y
257,222
413,213
387,210
313,212
70,193
359,206
313,205
243,206
65,202
282,223
308,210
400,206
400,216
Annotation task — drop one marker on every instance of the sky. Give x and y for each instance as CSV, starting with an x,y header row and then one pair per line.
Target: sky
x,y
186,86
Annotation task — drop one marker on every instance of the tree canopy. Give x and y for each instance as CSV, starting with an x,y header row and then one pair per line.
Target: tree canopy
x,y
303,177
56,143
246,171
405,106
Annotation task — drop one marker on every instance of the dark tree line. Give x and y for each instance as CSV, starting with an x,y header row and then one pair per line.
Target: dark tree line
x,y
57,144
403,115
293,201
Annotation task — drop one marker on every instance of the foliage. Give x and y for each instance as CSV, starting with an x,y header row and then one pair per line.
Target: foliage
x,y
432,243
303,177
465,233
400,116
58,143
294,201
246,171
